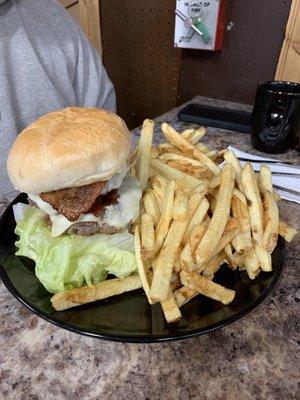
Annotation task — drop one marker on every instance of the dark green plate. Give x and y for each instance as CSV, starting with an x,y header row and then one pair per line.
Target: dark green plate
x,y
129,317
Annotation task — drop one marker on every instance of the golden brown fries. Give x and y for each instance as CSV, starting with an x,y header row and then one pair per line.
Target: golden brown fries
x,y
197,216
182,144
151,206
166,216
141,266
147,237
88,294
251,191
271,222
216,227
179,177
164,265
231,158
170,308
145,144
286,231
206,287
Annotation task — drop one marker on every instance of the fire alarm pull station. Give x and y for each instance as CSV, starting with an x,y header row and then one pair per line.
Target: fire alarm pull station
x,y
199,24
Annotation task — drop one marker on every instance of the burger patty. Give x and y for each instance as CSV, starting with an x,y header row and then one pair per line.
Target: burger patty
x,y
75,201
89,228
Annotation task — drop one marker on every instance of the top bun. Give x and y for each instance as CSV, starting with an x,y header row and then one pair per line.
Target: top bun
x,y
71,147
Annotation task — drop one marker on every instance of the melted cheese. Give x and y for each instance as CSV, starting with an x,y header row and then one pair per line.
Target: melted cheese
x,y
118,215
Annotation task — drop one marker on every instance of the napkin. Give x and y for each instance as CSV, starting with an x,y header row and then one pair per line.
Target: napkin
x,y
286,177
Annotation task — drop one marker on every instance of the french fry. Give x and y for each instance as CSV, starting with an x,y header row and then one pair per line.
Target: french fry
x,y
198,135
217,224
243,241
159,185
231,158
271,222
184,295
144,152
165,262
142,270
202,148
214,264
154,153
251,263
88,294
214,182
265,178
183,159
180,207
166,216
286,231
187,255
188,134
206,287
196,218
231,230
151,206
198,172
147,237
255,207
171,309
175,138
178,176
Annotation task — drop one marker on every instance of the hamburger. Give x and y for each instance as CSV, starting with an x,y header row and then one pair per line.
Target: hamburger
x,y
73,164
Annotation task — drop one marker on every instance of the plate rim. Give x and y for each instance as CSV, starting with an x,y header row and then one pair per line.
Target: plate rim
x,y
142,338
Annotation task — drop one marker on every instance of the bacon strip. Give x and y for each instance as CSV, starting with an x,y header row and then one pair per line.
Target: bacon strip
x,y
103,201
74,201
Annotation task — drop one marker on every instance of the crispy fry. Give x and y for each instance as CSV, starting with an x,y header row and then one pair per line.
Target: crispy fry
x,y
216,227
151,206
250,187
188,134
206,287
178,141
251,263
198,172
180,207
88,294
166,216
171,309
213,265
154,153
243,241
265,178
147,237
144,152
196,218
142,269
178,176
187,255
202,148
286,231
165,262
271,222
231,158
184,295
198,135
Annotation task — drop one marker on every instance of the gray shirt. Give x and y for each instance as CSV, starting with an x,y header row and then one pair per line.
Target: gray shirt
x,y
46,63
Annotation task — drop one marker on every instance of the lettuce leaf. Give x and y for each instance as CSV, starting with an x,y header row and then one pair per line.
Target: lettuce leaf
x,y
71,261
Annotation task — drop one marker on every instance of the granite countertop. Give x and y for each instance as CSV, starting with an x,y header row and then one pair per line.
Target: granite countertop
x,y
254,358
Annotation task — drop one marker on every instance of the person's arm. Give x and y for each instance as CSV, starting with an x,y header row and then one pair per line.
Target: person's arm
x,y
92,85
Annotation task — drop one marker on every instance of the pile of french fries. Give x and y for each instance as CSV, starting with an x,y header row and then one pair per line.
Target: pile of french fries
x,y
200,209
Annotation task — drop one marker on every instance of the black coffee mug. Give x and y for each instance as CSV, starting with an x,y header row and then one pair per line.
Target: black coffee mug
x,y
277,104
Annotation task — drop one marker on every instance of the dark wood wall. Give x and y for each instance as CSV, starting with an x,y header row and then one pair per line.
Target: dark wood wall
x,y
250,54
151,76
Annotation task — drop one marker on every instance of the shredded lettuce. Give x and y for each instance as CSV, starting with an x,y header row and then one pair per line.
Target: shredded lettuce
x,y
71,261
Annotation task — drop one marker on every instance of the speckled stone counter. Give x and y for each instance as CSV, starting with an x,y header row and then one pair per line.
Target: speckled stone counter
x,y
254,358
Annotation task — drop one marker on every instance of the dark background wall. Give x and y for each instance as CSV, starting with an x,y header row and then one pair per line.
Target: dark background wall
x,y
250,54
151,76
